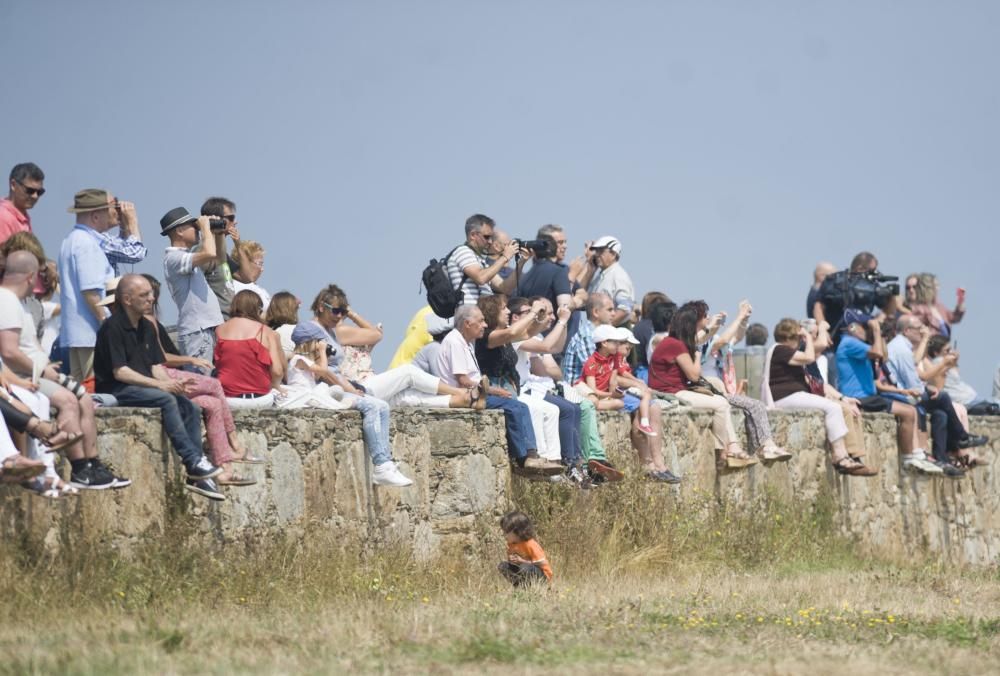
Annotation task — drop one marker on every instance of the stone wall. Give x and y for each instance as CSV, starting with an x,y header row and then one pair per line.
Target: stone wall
x,y
317,476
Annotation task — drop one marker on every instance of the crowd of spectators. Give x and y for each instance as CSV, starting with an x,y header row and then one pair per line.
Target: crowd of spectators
x,y
547,340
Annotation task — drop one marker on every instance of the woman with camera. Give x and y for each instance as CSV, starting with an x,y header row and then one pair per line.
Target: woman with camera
x,y
787,386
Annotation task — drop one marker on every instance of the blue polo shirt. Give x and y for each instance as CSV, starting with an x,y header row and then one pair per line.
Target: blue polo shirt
x,y
857,379
82,267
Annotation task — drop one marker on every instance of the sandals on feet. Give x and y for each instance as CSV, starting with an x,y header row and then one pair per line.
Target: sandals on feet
x,y
52,488
852,467
54,439
249,459
966,460
737,459
235,479
17,468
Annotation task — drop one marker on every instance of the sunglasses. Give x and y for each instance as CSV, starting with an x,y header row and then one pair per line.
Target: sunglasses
x,y
335,310
32,192
230,217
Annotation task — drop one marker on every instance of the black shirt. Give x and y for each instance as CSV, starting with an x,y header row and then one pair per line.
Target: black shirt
x,y
499,363
547,279
120,344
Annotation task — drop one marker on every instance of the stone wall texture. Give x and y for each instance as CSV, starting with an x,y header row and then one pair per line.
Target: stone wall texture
x,y
318,476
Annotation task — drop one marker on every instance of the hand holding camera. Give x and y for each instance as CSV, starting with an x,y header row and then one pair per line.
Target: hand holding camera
x,y
510,249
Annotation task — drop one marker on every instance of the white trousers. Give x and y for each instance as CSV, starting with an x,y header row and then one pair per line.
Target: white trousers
x,y
407,385
545,422
836,427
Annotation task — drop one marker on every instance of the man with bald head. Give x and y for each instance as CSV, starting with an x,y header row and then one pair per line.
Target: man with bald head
x,y
22,354
128,363
822,271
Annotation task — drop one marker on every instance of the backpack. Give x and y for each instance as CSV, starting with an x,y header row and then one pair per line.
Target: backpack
x,y
442,298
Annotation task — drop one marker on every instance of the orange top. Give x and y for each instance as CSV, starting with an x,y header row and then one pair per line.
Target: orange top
x,y
532,551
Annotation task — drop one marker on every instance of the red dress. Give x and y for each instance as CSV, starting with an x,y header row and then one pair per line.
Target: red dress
x,y
243,366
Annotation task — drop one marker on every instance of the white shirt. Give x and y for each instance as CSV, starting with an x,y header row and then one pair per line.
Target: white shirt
x,y
457,357
14,317
252,286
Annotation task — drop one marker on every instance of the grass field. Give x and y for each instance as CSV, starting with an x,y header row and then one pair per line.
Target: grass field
x,y
644,588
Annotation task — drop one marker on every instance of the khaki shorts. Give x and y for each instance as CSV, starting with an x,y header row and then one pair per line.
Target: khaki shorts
x,y
81,363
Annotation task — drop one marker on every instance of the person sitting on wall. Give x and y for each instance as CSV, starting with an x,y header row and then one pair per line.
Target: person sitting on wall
x,y
128,364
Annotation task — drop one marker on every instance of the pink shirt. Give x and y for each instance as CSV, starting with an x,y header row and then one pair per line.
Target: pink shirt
x,y
12,220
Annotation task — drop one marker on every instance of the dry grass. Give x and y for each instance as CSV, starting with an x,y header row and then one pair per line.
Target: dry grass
x,y
643,586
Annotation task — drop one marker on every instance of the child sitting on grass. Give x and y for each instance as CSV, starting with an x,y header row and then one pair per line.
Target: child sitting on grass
x,y
608,378
526,562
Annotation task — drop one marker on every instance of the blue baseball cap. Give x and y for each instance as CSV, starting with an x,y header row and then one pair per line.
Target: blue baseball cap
x,y
852,316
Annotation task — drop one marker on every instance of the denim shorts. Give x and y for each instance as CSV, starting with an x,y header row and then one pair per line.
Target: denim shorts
x,y
631,402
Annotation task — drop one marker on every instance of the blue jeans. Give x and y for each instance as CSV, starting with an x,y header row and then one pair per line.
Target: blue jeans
x,y
569,429
199,344
374,426
520,434
181,418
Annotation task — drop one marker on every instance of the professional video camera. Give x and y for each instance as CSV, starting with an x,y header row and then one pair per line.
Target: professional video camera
x,y
862,291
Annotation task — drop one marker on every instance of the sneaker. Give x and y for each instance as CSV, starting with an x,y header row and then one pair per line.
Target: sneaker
x,y
91,477
973,440
646,429
920,464
576,476
537,465
205,487
951,471
387,474
117,481
605,470
203,469
666,476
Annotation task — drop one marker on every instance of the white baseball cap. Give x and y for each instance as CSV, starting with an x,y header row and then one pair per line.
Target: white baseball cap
x,y
607,242
605,332
625,335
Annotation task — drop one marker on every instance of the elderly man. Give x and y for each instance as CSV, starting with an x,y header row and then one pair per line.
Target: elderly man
x,y
611,278
128,363
26,188
600,310
457,366
127,248
83,272
23,355
822,271
905,352
198,311
468,268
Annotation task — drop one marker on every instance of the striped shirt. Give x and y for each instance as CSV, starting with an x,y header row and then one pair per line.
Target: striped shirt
x,y
460,259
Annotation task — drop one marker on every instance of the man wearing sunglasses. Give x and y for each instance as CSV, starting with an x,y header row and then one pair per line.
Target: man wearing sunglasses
x,y
468,267
220,275
26,188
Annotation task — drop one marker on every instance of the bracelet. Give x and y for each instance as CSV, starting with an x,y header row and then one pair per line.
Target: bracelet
x,y
561,323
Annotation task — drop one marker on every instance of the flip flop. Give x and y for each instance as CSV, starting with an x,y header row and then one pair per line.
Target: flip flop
x,y
235,480
249,459
16,468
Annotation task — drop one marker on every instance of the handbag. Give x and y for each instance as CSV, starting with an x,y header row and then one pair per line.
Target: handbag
x,y
702,386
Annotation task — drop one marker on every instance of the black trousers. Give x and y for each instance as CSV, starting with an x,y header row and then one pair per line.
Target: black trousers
x,y
946,428
521,574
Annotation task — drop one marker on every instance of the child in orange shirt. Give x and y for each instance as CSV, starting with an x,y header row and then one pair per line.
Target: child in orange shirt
x,y
526,563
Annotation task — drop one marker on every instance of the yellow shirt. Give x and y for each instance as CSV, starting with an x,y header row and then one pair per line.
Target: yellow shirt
x,y
416,337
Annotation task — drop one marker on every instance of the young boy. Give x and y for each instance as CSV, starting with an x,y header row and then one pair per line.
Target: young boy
x,y
608,378
526,562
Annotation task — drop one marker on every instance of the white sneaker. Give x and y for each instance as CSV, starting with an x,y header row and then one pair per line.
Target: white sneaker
x,y
921,464
387,474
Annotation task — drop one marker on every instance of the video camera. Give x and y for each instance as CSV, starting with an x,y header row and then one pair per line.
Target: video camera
x,y
862,291
545,248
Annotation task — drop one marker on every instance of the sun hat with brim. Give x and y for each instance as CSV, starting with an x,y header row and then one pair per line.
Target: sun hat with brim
x,y
626,336
110,287
90,199
175,218
605,332
307,331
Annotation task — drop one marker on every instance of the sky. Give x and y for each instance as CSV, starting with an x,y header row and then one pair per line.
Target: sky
x,y
730,146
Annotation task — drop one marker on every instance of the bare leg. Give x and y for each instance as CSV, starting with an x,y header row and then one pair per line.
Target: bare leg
x,y
906,415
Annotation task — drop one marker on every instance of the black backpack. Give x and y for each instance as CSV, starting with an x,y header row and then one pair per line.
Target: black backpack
x,y
442,298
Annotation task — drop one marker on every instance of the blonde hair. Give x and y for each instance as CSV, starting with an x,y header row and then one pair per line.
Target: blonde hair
x,y
308,347
926,288
249,248
786,329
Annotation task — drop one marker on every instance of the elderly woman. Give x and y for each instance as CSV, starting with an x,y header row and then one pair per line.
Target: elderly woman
x,y
248,358
932,311
674,369
786,386
224,444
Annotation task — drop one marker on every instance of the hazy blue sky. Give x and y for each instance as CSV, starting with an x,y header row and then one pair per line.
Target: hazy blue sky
x,y
729,145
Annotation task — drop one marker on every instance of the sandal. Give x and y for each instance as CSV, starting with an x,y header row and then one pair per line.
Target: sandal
x,y
52,488
53,440
738,459
17,468
852,467
249,459
235,479
966,460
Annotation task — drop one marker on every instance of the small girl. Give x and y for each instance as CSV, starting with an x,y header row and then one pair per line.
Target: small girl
x,y
526,562
303,390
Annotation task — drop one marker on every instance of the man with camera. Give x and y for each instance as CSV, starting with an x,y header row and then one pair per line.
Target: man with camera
x,y
127,248
468,268
610,277
83,272
861,287
546,277
220,275
198,311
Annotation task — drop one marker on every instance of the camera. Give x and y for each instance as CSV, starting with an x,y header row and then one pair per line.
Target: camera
x,y
217,224
541,247
863,291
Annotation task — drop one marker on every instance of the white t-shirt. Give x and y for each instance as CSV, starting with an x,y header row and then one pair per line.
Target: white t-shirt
x,y
265,297
457,356
529,381
14,317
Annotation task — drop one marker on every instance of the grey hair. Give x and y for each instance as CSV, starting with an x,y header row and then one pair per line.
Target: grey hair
x,y
549,230
463,313
475,223
592,301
